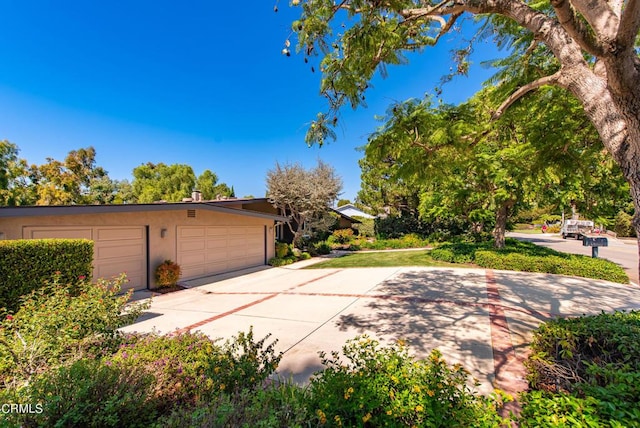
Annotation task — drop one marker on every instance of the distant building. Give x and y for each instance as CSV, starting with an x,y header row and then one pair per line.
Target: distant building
x,y
351,211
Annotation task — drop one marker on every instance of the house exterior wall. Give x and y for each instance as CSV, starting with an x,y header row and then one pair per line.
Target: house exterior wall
x,y
160,248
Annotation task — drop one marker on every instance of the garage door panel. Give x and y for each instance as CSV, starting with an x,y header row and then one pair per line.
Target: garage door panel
x,y
191,245
104,252
192,259
218,231
191,232
216,244
132,268
119,234
226,248
217,257
64,233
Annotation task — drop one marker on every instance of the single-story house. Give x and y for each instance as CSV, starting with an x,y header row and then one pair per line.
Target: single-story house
x,y
351,211
203,237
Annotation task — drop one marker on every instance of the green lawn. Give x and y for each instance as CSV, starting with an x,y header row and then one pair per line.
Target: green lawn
x,y
383,259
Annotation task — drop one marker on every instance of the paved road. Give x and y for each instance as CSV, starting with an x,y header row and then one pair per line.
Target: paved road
x,y
624,253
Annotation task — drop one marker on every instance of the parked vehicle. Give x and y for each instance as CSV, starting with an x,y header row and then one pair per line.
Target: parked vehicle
x,y
576,228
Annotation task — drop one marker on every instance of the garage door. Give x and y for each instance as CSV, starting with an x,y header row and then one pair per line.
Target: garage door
x,y
208,250
116,249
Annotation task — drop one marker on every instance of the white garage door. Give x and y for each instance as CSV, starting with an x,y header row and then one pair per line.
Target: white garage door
x,y
208,250
116,249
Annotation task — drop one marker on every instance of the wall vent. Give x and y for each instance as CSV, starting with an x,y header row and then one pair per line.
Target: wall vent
x,y
191,213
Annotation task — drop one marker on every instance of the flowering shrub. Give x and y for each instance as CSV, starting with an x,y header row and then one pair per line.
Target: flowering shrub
x,y
62,322
167,273
387,387
341,236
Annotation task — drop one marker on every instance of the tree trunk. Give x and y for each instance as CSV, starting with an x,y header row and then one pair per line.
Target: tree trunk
x,y
500,229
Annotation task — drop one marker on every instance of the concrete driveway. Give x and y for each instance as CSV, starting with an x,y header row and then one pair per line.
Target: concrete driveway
x,y
480,318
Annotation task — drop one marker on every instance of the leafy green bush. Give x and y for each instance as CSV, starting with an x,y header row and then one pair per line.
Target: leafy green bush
x,y
91,393
283,250
554,228
366,227
278,262
623,225
62,322
322,248
28,264
148,377
386,387
592,363
528,257
341,236
277,405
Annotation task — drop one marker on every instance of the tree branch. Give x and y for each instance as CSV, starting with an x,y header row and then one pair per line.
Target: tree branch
x,y
547,80
576,28
629,24
600,16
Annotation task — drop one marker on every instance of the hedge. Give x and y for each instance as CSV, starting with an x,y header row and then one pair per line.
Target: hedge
x,y
26,265
528,257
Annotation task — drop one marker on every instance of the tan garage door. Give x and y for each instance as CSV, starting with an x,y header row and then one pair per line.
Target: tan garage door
x,y
116,249
208,250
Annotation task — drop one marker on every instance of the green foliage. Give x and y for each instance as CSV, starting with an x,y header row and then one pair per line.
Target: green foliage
x,y
623,225
167,273
554,228
279,405
366,227
283,250
322,248
387,387
28,264
148,377
93,393
592,363
291,257
61,322
528,257
155,182
341,236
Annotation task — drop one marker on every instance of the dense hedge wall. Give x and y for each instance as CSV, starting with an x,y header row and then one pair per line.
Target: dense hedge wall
x,y
26,265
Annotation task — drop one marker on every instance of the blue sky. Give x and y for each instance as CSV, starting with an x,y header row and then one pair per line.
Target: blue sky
x,y
201,83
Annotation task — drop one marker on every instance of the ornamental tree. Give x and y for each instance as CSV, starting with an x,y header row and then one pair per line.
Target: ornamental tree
x,y
590,43
303,195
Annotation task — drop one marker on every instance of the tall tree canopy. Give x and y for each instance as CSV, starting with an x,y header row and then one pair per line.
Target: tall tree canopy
x,y
304,195
590,45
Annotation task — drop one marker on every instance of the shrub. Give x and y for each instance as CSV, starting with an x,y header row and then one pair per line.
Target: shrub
x,y
279,405
278,262
342,236
62,322
322,248
167,273
28,264
386,387
283,250
592,363
92,393
623,225
554,228
366,227
528,257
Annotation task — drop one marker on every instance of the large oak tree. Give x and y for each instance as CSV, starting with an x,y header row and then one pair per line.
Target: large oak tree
x,y
591,41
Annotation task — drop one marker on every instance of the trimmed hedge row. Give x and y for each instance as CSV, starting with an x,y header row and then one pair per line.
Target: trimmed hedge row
x,y
528,257
575,265
26,265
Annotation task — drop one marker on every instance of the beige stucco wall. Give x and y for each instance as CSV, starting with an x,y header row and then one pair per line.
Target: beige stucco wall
x,y
160,248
